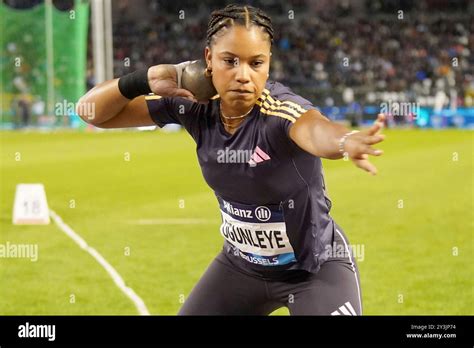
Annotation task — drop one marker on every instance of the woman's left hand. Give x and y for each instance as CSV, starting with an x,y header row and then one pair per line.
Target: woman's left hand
x,y
358,146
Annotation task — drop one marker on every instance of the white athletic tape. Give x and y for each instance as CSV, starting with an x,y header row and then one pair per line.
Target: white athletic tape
x,y
137,301
179,70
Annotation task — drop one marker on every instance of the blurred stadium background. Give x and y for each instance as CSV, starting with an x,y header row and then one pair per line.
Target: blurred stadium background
x,y
152,216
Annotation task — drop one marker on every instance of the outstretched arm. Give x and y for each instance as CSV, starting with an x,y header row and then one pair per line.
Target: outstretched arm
x,y
319,136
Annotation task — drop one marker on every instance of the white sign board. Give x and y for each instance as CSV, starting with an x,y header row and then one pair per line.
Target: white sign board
x,y
30,207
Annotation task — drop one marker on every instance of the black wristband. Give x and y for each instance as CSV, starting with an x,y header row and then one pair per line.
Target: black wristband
x,y
134,84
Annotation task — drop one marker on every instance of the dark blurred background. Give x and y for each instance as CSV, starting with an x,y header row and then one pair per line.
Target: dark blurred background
x,y
345,54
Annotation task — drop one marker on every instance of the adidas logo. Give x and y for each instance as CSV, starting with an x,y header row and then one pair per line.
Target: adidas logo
x,y
258,156
345,309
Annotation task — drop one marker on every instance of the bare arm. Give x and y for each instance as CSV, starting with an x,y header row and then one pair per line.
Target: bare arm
x,y
319,136
105,107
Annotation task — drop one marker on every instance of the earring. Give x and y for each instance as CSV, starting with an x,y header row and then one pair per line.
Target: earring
x,y
208,72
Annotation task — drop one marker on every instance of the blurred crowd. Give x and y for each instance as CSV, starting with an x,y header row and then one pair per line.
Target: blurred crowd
x,y
334,50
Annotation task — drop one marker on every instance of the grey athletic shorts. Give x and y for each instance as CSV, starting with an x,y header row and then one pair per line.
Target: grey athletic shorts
x,y
226,289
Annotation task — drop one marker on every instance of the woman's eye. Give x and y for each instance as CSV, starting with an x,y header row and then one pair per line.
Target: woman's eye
x,y
234,61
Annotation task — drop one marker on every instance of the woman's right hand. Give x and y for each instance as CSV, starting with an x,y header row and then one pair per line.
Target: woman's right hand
x,y
163,82
105,107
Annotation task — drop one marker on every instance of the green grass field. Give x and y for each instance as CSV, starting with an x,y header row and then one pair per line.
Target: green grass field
x,y
418,259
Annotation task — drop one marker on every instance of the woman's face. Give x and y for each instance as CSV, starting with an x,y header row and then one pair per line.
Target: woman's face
x,y
240,62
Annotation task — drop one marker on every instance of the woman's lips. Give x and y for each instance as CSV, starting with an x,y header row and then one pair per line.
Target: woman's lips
x,y
241,92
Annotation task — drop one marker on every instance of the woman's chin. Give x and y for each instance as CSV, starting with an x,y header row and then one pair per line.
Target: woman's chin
x,y
241,103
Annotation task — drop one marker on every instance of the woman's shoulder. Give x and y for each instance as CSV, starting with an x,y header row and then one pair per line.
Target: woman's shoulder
x,y
284,94
282,103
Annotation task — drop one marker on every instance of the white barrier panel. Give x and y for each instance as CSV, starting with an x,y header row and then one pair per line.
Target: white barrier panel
x,y
30,206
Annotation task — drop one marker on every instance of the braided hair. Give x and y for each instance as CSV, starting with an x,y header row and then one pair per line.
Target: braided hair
x,y
244,15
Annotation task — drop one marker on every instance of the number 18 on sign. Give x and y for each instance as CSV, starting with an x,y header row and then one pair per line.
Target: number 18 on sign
x,y
30,206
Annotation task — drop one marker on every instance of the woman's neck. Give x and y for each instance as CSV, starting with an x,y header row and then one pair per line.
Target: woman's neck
x,y
232,118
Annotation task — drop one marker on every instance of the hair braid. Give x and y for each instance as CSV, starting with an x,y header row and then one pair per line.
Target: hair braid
x,y
244,15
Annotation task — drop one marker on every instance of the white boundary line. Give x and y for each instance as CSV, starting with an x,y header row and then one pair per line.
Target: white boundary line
x,y
118,280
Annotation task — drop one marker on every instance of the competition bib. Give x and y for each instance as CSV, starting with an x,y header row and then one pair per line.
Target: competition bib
x,y
258,233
